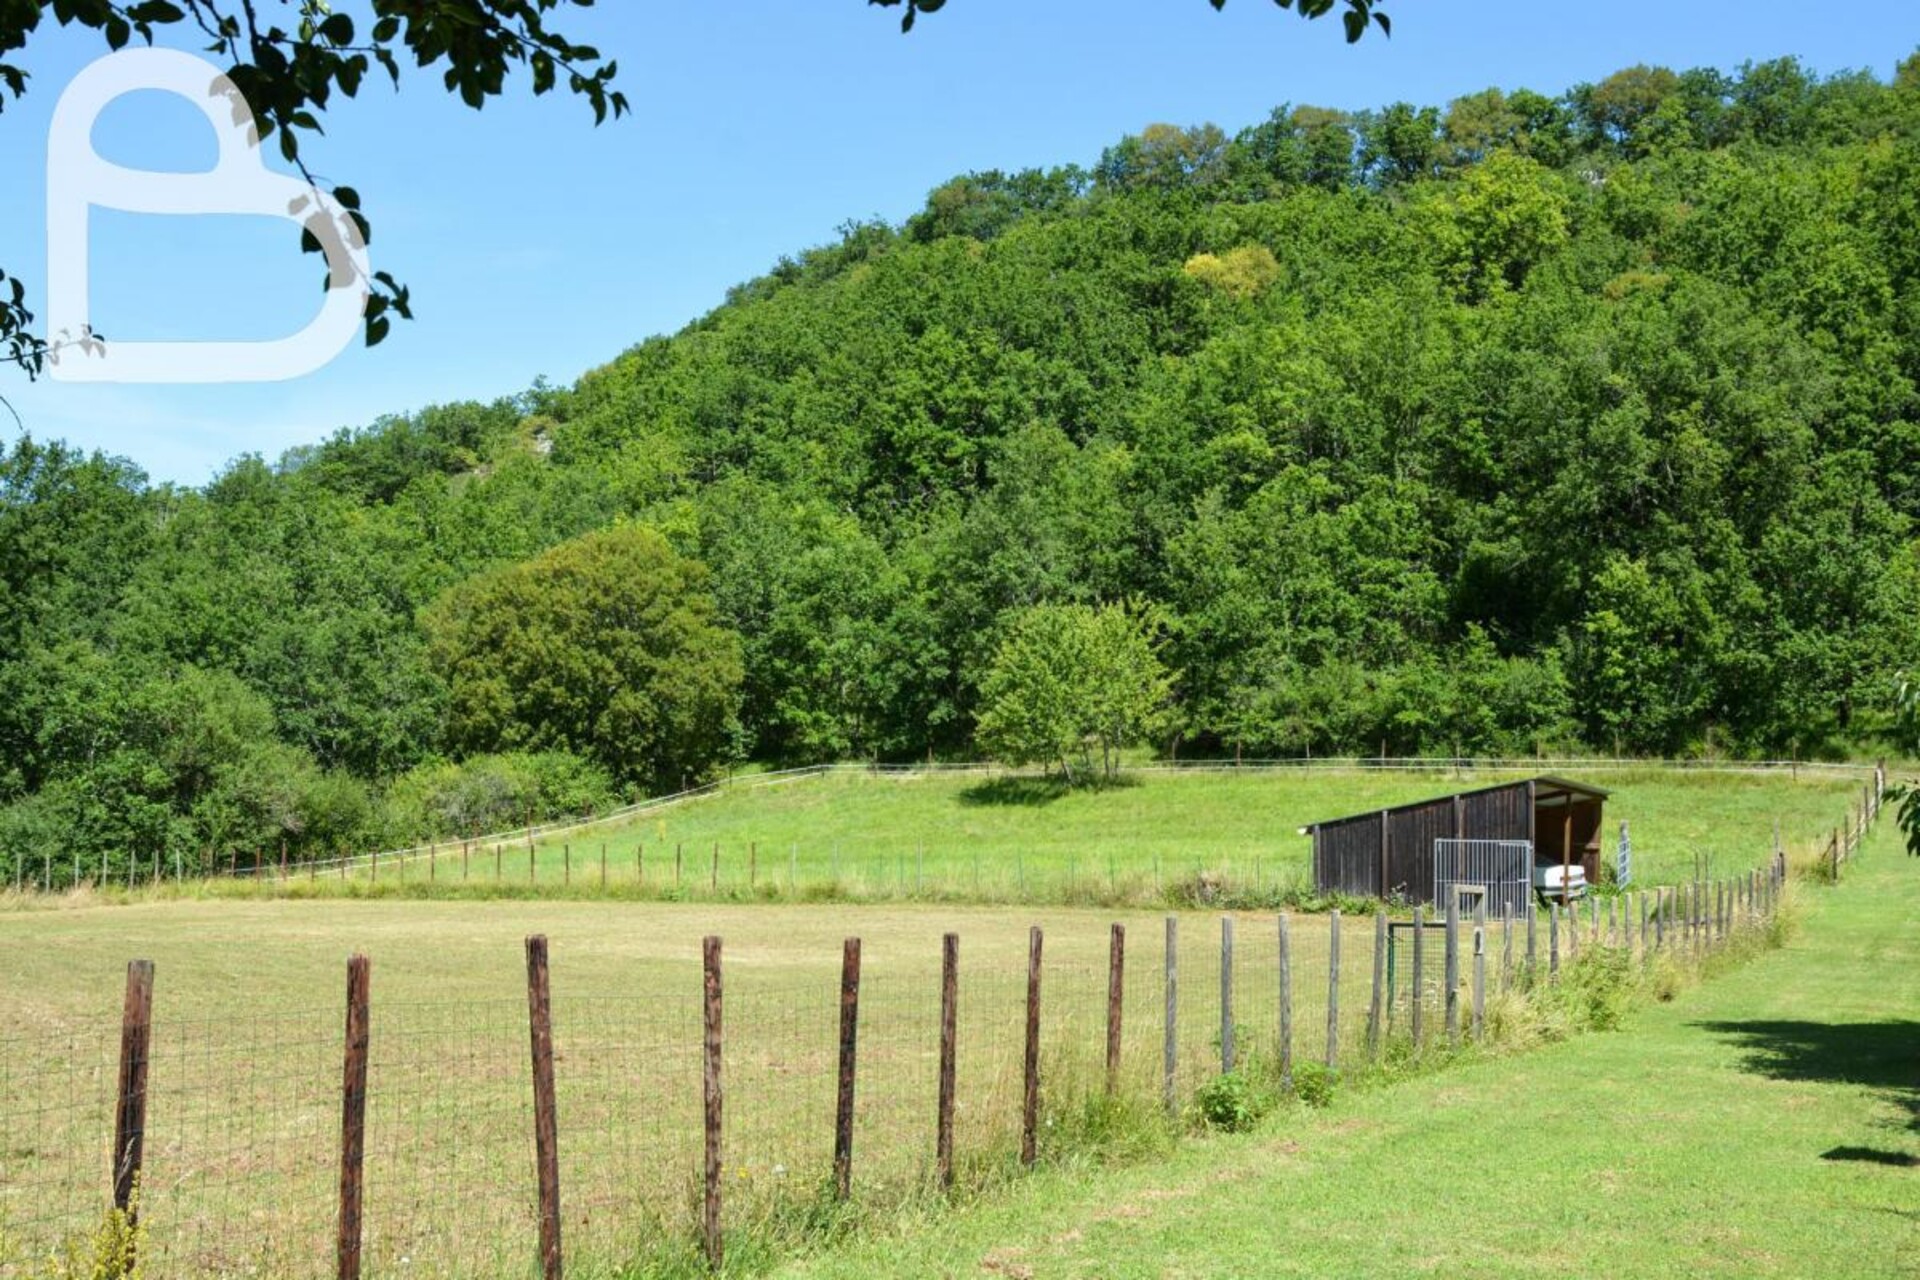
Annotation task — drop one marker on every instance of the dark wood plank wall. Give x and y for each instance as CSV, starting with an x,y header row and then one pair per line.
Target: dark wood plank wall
x,y
1348,857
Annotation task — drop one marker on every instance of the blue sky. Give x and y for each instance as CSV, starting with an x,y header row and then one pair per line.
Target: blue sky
x,y
537,244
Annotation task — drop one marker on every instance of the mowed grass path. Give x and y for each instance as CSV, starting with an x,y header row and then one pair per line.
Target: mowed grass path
x,y
1765,1124
1007,838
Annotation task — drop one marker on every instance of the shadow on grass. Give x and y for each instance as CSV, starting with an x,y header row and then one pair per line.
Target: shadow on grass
x,y
1873,1155
1034,792
1880,1055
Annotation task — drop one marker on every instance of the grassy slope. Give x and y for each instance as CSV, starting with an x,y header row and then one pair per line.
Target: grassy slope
x,y
1767,1124
881,832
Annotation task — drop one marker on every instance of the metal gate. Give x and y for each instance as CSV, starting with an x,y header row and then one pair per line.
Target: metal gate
x,y
1504,868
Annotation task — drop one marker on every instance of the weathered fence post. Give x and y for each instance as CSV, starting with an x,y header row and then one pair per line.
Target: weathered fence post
x,y
1286,1003
546,1127
1533,930
849,1061
566,864
1453,971
1226,994
714,881
1506,946
1419,977
1479,968
353,1118
1333,991
1030,1076
1116,993
1553,939
1376,1008
1170,1060
713,1097
130,1111
949,1023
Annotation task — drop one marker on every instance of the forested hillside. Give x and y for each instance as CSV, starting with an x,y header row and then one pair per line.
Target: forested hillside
x,y
1520,422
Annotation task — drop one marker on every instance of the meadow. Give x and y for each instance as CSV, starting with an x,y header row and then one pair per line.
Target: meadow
x,y
1765,1124
999,837
246,1067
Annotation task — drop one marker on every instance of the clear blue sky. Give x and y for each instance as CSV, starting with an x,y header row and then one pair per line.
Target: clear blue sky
x,y
538,245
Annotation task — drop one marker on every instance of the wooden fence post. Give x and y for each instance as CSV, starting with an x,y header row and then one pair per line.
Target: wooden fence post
x,y
1419,976
1286,1003
546,1126
849,1058
1030,1092
566,864
1506,946
1533,930
1170,1061
1453,971
1479,969
1226,994
130,1111
1553,939
1376,1008
713,1098
1116,1002
714,883
949,1022
353,1118
1333,992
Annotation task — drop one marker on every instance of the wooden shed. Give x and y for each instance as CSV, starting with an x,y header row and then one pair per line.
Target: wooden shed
x,y
1389,853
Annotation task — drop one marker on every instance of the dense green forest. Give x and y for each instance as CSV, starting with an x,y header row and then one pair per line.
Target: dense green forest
x,y
1524,423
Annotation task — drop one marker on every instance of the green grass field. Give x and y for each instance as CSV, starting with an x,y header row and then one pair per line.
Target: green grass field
x,y
247,1032
246,1059
1766,1124
974,837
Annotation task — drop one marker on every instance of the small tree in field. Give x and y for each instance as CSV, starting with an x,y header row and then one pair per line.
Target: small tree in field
x,y
1068,678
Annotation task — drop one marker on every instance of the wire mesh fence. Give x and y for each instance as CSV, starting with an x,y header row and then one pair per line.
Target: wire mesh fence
x,y
245,1165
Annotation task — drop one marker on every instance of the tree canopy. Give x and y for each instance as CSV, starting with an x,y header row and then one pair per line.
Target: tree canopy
x,y
606,646
1525,422
1068,678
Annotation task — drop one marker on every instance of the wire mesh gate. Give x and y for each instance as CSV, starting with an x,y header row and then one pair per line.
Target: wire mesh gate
x,y
1504,868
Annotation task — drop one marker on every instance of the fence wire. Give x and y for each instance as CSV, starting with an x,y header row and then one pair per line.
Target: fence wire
x,y
243,1133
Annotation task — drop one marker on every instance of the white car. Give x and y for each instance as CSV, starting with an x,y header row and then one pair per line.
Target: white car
x,y
1547,882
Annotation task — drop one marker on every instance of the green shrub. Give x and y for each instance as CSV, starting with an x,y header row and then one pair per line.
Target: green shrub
x,y
1313,1084
1234,1102
493,793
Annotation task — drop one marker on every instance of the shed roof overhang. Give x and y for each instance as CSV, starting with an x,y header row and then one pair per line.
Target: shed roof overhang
x,y
1549,791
